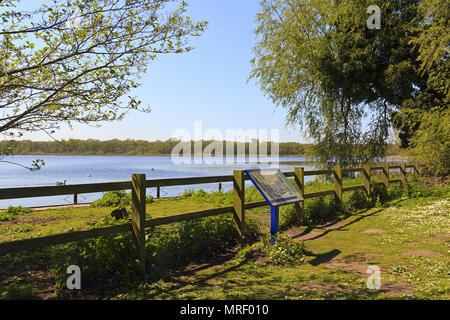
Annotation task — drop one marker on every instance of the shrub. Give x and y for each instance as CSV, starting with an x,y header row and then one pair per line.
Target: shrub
x,y
12,212
113,199
378,195
188,192
105,262
177,245
358,200
15,289
109,261
320,209
116,199
396,191
284,251
288,217
218,198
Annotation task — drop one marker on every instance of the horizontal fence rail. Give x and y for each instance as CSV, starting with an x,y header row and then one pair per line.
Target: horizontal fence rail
x,y
139,209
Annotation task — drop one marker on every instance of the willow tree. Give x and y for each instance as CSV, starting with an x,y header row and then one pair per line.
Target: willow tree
x,y
425,118
339,80
78,60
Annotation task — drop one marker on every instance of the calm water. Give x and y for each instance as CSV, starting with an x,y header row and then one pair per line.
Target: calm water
x,y
91,169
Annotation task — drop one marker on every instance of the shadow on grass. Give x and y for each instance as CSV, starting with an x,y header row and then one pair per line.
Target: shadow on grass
x,y
324,257
359,216
178,284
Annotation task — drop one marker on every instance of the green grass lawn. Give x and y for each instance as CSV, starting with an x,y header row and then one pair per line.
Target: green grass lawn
x,y
408,241
406,238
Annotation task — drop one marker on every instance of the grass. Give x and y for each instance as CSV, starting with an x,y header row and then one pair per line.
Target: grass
x,y
246,277
331,265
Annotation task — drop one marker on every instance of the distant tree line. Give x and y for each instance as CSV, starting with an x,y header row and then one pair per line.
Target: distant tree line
x,y
144,147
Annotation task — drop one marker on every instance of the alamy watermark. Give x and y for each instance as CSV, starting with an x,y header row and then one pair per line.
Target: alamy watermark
x,y
374,280
250,143
74,280
74,19
374,21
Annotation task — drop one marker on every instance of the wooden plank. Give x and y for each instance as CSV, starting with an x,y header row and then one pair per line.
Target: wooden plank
x,y
138,204
30,192
352,188
186,181
62,238
196,180
44,191
238,202
338,187
347,170
318,194
288,174
299,182
385,176
256,204
187,216
366,178
403,173
317,172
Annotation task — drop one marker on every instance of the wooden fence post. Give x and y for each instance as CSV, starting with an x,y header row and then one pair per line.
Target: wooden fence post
x,y
386,175
403,173
338,187
75,198
158,192
415,168
299,182
138,195
238,202
366,178
220,187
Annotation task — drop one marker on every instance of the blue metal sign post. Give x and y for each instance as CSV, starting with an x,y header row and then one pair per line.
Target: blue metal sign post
x,y
274,223
276,190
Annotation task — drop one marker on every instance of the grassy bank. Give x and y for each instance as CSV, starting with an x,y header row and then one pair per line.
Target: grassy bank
x,y
403,231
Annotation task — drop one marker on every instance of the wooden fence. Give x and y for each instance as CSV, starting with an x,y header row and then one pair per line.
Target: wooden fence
x,y
139,184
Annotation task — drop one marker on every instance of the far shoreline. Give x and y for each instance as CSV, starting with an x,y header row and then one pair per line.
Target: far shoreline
x,y
393,157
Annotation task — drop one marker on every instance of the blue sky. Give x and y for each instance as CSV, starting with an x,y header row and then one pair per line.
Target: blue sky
x,y
208,84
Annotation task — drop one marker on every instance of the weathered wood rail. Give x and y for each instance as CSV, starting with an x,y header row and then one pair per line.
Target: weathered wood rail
x,y
139,184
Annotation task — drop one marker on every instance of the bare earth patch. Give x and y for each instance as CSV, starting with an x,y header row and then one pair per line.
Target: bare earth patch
x,y
397,289
42,220
370,256
31,220
421,253
413,244
320,287
43,283
444,236
347,266
373,231
438,217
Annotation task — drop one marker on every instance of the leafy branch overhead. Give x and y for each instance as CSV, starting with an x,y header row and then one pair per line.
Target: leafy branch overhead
x,y
56,68
346,85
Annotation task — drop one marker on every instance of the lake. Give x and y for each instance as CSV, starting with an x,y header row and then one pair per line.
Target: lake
x,y
92,169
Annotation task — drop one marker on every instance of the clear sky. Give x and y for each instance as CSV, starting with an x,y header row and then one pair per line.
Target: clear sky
x,y
208,84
